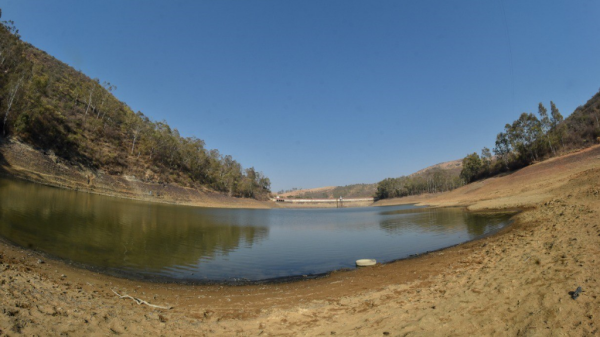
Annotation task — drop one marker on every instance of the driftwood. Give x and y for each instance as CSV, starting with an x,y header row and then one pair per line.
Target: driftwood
x,y
140,301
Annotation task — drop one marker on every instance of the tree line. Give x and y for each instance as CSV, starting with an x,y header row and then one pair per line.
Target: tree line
x,y
56,108
524,141
533,138
430,181
528,139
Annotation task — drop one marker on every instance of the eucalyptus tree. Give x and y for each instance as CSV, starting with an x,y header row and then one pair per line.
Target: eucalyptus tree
x,y
136,124
107,92
558,127
486,159
546,125
15,69
502,147
91,88
12,94
523,135
11,47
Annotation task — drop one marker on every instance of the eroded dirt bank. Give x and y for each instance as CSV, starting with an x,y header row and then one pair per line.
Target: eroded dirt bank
x,y
516,282
22,161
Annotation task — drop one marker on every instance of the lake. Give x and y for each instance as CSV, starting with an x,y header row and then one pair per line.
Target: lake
x,y
183,243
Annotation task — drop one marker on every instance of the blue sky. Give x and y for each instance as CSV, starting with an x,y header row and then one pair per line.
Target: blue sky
x,y
317,93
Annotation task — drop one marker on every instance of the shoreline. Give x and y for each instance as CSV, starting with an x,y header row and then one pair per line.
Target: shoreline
x,y
21,161
514,282
158,280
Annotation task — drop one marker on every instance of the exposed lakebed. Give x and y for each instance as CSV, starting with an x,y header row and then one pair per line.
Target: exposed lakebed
x,y
170,242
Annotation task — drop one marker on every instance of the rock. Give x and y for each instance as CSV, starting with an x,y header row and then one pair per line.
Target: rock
x,y
575,294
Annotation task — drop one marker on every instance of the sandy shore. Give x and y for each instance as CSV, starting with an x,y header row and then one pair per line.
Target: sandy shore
x,y
516,282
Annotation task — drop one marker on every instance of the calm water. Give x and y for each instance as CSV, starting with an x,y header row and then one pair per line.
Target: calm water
x,y
191,243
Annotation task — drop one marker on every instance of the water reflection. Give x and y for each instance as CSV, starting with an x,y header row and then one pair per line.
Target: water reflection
x,y
117,233
440,220
214,244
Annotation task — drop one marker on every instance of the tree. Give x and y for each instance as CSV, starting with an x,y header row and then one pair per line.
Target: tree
x,y
558,127
137,127
546,125
11,47
92,88
108,89
263,182
523,135
486,159
231,172
471,167
502,148
11,99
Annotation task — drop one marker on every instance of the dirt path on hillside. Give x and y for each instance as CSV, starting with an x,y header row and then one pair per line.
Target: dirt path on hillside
x,y
516,282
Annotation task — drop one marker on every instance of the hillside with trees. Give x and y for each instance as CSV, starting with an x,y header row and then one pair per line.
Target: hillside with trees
x,y
51,106
529,139
532,138
332,192
437,178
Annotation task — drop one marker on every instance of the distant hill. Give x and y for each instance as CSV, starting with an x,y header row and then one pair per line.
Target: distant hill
x,y
334,192
583,124
58,110
453,166
450,168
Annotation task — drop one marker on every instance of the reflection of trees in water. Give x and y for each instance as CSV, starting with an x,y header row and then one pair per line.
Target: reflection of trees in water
x,y
114,232
439,220
483,223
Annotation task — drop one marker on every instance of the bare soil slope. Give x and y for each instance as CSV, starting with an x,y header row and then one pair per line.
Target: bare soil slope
x,y
516,282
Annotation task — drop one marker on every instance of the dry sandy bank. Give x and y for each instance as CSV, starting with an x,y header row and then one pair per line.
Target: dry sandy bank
x,y
516,282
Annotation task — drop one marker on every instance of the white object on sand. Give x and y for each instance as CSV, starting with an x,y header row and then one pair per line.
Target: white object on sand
x,y
365,262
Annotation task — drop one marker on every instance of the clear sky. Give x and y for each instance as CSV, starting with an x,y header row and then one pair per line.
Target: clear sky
x,y
317,93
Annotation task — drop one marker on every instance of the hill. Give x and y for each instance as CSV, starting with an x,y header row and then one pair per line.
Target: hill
x,y
77,120
583,124
447,169
453,167
333,192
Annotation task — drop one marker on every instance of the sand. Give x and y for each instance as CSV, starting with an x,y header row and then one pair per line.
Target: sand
x,y
516,282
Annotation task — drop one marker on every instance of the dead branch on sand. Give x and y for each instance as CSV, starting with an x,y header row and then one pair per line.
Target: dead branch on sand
x,y
140,301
